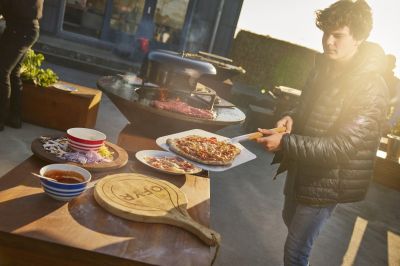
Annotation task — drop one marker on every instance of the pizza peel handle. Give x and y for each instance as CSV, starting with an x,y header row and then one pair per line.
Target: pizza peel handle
x,y
208,236
144,199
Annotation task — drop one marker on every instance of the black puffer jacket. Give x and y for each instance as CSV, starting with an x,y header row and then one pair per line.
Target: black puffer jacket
x,y
330,153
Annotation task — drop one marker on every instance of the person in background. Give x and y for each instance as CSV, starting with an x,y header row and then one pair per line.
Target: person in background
x,y
21,32
389,73
393,83
165,37
332,137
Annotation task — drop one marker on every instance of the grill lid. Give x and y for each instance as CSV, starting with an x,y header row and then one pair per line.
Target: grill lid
x,y
184,65
170,70
224,66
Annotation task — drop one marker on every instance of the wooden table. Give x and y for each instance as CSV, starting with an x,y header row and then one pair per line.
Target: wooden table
x,y
37,230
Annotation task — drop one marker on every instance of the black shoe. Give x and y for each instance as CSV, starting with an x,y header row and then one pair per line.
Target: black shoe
x,y
1,127
14,121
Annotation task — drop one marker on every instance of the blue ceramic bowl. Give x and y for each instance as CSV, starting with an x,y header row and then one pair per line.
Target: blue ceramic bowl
x,y
64,191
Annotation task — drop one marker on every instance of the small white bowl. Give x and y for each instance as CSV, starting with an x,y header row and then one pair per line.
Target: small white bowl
x,y
64,191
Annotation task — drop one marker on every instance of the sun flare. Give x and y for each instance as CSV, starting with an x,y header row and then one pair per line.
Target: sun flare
x,y
293,21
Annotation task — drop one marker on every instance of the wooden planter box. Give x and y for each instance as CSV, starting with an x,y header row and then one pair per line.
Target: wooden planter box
x,y
60,109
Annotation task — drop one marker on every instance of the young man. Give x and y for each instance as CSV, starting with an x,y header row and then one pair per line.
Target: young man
x,y
332,136
21,32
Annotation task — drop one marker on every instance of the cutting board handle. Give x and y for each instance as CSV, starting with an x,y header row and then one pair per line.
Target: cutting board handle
x,y
208,236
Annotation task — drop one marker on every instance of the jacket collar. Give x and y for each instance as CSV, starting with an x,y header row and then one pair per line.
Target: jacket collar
x,y
369,59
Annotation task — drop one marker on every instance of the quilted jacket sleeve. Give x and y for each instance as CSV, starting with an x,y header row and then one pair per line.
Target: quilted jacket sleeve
x,y
358,127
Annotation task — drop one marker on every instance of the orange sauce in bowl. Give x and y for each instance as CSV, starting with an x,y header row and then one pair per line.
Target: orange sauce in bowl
x,y
68,177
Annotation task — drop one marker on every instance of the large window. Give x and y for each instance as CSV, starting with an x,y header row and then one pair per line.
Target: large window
x,y
126,15
161,24
84,16
169,18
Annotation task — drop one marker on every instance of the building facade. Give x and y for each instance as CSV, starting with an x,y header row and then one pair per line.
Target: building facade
x,y
180,25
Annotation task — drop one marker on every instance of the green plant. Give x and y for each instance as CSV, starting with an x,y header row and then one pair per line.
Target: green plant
x,y
32,72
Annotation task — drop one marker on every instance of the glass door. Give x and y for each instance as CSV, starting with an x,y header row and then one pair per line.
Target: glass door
x,y
169,19
126,15
84,16
125,22
159,21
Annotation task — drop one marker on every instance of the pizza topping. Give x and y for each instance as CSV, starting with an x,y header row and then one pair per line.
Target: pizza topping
x,y
172,164
207,150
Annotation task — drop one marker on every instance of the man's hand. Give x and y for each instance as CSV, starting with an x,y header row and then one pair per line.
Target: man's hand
x,y
272,141
287,122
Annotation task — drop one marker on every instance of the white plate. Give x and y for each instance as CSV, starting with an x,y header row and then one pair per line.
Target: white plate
x,y
140,155
64,87
244,156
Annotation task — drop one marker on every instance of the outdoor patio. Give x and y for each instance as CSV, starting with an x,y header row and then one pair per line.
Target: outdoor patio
x,y
246,203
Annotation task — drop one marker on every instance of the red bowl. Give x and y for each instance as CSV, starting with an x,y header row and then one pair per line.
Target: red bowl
x,y
85,139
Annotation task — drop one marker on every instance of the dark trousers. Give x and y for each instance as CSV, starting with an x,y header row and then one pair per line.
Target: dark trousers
x,y
14,43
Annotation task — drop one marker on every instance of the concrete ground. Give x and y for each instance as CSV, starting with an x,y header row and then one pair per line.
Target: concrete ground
x,y
246,203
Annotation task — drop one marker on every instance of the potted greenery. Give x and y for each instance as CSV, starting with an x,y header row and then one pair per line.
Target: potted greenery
x,y
31,71
55,104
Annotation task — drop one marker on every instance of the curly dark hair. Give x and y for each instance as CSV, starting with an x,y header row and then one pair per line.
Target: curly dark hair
x,y
356,15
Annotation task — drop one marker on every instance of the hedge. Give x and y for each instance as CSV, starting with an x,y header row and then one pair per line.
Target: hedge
x,y
271,62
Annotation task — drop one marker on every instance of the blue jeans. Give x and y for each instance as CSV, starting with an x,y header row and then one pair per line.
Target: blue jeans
x,y
304,224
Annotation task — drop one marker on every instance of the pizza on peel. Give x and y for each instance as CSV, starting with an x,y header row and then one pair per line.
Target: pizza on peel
x,y
205,150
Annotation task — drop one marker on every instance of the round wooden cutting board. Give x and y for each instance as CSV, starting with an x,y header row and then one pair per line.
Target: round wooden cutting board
x,y
144,199
119,154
